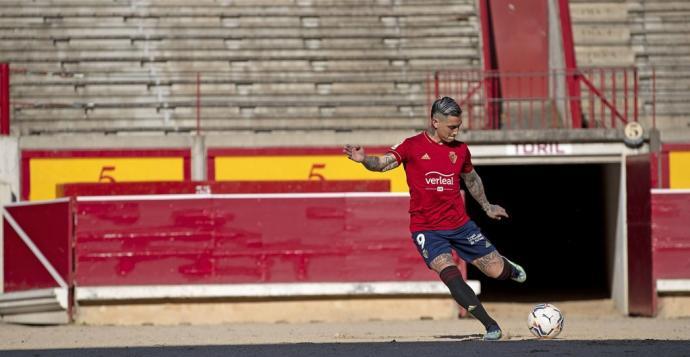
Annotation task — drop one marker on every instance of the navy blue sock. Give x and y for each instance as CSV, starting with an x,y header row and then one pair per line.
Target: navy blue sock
x,y
508,271
465,296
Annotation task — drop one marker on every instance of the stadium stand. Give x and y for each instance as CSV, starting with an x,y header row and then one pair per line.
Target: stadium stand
x,y
87,66
651,35
665,46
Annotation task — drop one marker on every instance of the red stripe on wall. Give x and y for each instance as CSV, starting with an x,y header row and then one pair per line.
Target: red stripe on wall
x,y
29,154
280,151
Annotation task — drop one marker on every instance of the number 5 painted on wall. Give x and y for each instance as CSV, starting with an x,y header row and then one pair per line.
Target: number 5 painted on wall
x,y
313,174
105,177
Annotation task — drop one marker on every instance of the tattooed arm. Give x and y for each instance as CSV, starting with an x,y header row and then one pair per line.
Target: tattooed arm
x,y
372,163
476,187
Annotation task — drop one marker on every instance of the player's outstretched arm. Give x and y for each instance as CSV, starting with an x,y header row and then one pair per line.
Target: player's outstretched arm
x,y
372,163
476,187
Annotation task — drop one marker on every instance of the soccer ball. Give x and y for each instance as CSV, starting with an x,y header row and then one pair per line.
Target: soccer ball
x,y
545,321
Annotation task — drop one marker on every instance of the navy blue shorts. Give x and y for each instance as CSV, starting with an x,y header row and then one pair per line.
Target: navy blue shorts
x,y
468,241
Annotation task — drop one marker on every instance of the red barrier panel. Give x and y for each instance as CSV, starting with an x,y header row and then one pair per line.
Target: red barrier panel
x,y
176,187
670,234
246,239
641,285
48,227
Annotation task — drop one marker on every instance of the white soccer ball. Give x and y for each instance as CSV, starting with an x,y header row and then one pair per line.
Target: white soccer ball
x,y
545,321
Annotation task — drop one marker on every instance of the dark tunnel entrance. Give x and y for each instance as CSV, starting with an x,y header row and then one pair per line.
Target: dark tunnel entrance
x,y
559,230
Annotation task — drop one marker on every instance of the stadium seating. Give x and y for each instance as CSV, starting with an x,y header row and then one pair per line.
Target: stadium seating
x,y
647,34
116,66
667,48
263,65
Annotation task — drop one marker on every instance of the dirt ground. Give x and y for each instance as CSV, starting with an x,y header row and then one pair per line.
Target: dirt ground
x,y
586,320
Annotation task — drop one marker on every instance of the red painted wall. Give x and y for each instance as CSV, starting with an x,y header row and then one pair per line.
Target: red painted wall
x,y
521,34
49,226
157,188
671,235
250,240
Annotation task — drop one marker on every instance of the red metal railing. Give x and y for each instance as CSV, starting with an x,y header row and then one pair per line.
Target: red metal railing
x,y
604,97
4,99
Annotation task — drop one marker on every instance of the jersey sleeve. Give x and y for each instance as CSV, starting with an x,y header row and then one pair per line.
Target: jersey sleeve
x,y
467,165
400,151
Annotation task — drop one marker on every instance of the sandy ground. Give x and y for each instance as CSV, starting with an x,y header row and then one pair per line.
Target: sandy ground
x,y
592,320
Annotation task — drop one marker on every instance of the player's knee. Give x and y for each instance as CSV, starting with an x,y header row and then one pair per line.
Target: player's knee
x,y
494,272
441,262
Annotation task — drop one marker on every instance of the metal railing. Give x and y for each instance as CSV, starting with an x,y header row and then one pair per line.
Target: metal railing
x,y
582,98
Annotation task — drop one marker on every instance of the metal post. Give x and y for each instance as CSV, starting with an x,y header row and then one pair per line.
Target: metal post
x,y
198,103
437,92
4,99
653,96
613,98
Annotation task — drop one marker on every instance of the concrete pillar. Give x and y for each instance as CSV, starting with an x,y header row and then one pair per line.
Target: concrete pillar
x,y
556,60
199,158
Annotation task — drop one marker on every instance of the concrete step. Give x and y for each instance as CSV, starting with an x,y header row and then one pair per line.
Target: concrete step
x,y
125,91
229,113
294,100
148,78
667,40
181,11
163,45
655,26
219,124
602,34
289,21
214,3
259,66
255,69
604,12
188,54
665,6
134,33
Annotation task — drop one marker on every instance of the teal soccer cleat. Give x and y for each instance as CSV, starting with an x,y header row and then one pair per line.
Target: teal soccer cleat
x,y
493,333
519,275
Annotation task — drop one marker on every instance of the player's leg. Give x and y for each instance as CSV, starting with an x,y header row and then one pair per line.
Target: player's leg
x,y
463,293
473,247
436,251
496,266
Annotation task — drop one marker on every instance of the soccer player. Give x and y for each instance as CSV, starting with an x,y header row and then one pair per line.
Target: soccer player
x,y
434,162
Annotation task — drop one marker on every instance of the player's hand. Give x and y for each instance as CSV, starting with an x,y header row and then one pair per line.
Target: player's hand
x,y
354,152
496,212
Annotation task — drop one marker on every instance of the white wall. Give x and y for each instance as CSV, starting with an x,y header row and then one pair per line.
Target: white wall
x,y
9,184
617,233
5,197
9,163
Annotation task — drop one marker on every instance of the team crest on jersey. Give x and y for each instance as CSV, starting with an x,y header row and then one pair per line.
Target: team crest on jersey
x,y
426,157
453,157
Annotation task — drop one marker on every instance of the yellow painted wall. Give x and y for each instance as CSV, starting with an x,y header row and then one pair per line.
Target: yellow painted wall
x,y
46,173
299,167
679,169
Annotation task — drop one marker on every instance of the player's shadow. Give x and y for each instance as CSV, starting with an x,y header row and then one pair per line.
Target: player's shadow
x,y
472,337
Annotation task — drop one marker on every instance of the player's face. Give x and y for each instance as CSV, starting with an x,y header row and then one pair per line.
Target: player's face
x,y
447,129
